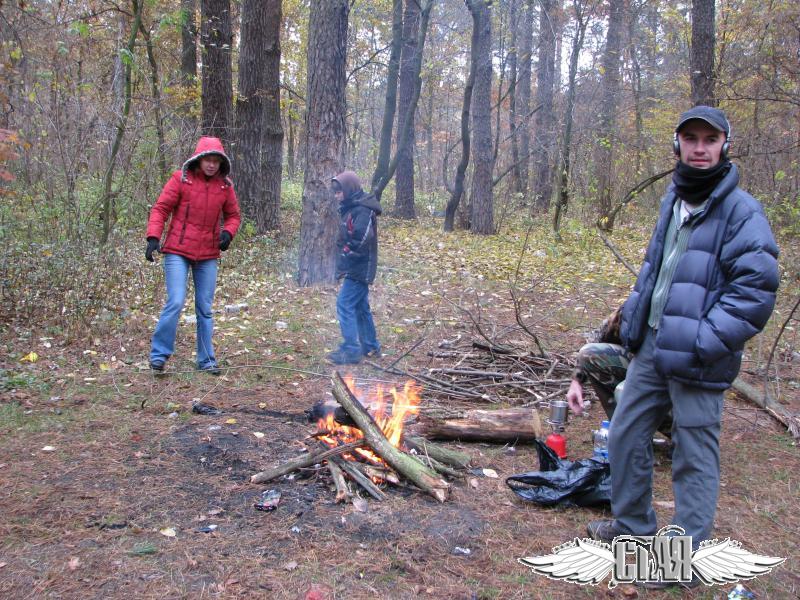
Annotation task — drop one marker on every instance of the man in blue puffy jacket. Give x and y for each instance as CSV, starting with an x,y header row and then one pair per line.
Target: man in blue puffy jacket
x,y
707,285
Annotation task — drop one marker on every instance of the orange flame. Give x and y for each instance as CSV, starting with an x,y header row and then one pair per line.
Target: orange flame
x,y
390,418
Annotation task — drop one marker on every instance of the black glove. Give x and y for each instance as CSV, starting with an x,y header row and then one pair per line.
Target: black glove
x,y
152,246
224,240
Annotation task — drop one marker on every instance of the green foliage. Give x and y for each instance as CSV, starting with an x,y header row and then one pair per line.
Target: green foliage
x,y
292,196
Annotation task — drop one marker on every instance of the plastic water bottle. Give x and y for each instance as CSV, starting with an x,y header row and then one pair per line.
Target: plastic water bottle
x,y
600,438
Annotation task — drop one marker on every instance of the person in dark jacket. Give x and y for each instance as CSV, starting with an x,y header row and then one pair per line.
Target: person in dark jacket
x,y
707,285
356,264
203,214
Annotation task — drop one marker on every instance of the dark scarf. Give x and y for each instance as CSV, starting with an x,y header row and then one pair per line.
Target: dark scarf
x,y
695,185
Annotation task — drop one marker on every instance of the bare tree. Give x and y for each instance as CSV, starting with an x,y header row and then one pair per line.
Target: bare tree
x,y
543,143
702,52
216,39
481,197
581,14
608,139
259,135
404,177
390,102
325,138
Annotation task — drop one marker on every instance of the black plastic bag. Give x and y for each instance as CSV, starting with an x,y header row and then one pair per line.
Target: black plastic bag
x,y
584,482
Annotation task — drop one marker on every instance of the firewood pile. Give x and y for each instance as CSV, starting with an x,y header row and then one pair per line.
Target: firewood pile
x,y
375,449
480,371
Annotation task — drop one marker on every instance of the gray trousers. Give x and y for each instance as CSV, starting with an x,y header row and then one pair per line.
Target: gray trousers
x,y
646,399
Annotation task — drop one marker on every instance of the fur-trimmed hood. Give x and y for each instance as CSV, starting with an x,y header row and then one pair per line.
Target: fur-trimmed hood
x,y
205,147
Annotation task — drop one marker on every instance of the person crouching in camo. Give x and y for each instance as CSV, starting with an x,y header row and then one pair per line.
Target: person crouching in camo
x,y
356,265
603,364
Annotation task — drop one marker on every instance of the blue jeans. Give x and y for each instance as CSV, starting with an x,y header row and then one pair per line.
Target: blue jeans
x,y
176,274
355,318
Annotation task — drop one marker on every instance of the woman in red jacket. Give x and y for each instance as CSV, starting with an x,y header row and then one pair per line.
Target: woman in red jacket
x,y
203,214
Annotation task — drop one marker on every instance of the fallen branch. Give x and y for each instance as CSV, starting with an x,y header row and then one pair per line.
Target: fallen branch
x,y
342,489
304,461
359,477
404,464
770,404
437,452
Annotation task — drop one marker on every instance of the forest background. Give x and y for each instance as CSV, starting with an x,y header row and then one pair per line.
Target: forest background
x,y
515,145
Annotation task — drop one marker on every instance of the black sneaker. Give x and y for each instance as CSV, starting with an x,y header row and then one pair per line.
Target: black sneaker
x,y
339,357
603,530
157,367
211,369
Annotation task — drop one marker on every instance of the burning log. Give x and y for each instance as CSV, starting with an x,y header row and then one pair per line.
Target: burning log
x,y
359,477
342,489
497,426
406,465
304,461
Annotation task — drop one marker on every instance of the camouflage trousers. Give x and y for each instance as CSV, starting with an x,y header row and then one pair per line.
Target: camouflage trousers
x,y
604,366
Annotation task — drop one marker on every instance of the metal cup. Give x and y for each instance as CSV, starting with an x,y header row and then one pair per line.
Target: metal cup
x,y
558,412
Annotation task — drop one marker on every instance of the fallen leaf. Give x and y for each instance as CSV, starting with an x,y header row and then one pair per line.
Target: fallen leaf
x,y
168,532
262,405
74,563
232,581
230,422
3,564
473,483
105,367
31,357
290,566
258,434
49,449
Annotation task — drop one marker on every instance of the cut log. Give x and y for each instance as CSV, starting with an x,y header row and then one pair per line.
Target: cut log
x,y
460,460
384,474
406,465
359,477
770,404
502,426
342,490
309,459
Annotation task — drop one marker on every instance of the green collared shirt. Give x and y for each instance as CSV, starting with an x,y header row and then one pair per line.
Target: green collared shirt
x,y
675,243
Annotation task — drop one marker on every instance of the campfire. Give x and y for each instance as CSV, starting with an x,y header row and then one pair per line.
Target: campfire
x,y
390,418
363,442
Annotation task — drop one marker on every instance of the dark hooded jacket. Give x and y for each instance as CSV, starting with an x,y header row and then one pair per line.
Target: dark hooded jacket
x,y
197,209
722,294
357,238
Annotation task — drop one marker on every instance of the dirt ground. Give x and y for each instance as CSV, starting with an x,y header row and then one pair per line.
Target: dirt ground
x,y
109,483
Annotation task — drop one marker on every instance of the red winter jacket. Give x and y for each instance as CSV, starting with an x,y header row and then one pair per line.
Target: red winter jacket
x,y
194,205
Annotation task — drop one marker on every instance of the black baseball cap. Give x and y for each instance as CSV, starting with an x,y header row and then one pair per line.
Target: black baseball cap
x,y
713,116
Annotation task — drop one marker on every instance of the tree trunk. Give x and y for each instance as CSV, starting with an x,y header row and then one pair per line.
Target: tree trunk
x,y
513,74
390,103
216,40
188,42
702,52
325,136
545,117
581,20
608,140
108,206
258,128
496,426
482,200
404,177
268,218
523,95
461,169
155,89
